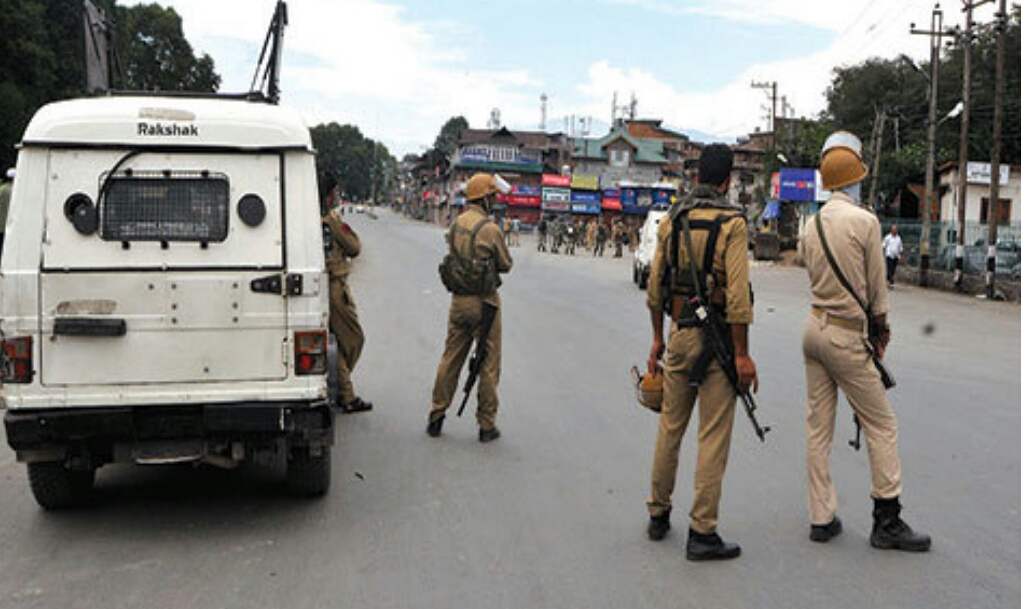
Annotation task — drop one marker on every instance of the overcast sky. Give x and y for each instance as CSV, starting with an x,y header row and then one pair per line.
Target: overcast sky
x,y
398,69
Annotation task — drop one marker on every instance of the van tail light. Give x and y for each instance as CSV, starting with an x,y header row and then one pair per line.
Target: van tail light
x,y
311,352
17,360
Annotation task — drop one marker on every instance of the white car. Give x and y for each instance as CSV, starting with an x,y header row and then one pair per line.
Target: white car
x,y
646,247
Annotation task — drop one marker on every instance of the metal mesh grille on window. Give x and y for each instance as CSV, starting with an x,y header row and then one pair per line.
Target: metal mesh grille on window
x,y
161,207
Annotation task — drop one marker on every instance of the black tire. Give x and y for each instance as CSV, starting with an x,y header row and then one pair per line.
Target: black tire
x,y
56,487
635,267
643,280
308,475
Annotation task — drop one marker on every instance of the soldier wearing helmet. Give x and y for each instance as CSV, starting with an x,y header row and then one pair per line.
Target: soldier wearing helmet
x,y
718,248
837,346
474,238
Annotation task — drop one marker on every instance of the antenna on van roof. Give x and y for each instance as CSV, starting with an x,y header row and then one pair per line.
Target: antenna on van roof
x,y
275,33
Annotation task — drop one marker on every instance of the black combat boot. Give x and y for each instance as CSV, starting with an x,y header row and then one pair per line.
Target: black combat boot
x,y
434,428
658,526
891,533
825,532
487,435
709,546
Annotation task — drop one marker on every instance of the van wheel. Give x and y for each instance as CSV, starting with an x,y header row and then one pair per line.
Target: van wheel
x,y
635,274
309,475
56,487
643,280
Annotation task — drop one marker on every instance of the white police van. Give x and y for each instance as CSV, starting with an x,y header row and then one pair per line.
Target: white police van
x,y
163,297
643,255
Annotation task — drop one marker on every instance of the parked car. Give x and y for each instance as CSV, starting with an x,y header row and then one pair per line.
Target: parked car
x,y
646,247
164,296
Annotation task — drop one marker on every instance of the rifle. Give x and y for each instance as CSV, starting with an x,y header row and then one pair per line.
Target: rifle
x,y
716,344
488,311
712,331
873,330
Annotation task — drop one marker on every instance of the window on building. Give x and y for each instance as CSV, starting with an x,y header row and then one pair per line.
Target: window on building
x,y
620,158
1003,212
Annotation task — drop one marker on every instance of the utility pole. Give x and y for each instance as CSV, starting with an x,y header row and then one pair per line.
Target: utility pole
x,y
966,38
878,127
995,151
772,86
935,32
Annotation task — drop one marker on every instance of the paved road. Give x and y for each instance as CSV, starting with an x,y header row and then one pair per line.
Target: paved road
x,y
553,514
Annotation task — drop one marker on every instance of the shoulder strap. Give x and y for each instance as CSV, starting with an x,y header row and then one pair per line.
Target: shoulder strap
x,y
473,235
713,228
833,265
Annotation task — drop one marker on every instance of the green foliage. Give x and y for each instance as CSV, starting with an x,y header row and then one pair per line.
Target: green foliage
x,y
900,91
449,136
41,58
364,168
154,54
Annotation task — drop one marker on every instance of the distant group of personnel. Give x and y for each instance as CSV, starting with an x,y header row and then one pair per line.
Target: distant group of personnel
x,y
556,234
699,295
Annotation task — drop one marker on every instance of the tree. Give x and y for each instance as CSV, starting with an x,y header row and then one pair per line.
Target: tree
x,y
364,168
42,58
154,54
449,137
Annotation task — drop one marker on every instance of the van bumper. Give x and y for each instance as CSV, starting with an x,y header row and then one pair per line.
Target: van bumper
x,y
60,433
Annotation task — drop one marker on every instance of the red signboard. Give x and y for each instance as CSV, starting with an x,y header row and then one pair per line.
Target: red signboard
x,y
551,179
612,204
524,200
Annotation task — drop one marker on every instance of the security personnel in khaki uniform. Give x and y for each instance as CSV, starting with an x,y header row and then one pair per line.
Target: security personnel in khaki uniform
x,y
716,396
466,311
837,350
344,322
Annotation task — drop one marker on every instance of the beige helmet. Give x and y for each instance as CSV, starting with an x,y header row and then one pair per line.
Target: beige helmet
x,y
840,162
649,388
480,185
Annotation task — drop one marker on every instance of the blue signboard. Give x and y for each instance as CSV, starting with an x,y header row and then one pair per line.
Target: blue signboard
x,y
585,196
586,208
628,196
531,190
797,184
661,197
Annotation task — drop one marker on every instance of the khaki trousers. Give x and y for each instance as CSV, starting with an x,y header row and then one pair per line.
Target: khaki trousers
x,y
345,325
464,328
837,358
716,400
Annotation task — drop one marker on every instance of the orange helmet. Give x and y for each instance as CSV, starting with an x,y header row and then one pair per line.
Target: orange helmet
x,y
840,162
649,388
480,185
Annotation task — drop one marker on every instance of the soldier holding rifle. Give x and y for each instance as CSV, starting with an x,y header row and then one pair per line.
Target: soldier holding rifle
x,y
470,271
844,342
704,270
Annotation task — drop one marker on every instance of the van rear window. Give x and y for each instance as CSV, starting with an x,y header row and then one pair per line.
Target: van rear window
x,y
165,207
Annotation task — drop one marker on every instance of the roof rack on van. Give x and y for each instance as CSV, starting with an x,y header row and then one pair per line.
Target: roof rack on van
x,y
253,96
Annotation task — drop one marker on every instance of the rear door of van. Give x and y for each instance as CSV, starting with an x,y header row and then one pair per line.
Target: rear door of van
x,y
162,267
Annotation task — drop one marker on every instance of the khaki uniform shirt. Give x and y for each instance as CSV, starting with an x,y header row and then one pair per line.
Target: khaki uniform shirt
x,y
345,244
853,233
730,260
488,243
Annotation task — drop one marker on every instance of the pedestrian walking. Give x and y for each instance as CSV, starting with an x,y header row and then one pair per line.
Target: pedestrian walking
x,y
892,253
478,255
843,255
344,321
718,252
